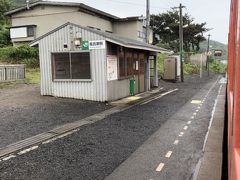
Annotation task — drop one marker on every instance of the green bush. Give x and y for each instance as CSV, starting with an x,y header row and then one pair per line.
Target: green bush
x,y
217,67
161,58
189,68
20,54
33,63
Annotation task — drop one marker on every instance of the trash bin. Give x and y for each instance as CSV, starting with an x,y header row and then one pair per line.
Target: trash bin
x,y
132,87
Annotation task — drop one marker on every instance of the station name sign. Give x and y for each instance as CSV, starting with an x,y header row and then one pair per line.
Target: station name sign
x,y
100,44
90,45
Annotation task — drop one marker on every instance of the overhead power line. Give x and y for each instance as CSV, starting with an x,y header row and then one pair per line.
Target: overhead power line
x,y
135,4
167,3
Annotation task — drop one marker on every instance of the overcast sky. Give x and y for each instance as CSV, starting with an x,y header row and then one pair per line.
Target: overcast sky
x,y
214,12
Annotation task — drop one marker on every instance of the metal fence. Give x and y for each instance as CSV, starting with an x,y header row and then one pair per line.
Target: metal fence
x,y
197,58
12,72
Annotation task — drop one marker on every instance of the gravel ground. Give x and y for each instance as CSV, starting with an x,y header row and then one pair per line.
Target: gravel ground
x,y
97,149
24,113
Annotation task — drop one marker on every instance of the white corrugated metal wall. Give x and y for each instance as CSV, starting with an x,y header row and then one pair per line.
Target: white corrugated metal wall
x,y
95,90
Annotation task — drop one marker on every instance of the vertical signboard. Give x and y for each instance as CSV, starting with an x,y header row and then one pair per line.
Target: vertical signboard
x,y
112,68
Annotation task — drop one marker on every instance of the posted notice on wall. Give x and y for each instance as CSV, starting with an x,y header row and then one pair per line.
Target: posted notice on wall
x,y
112,68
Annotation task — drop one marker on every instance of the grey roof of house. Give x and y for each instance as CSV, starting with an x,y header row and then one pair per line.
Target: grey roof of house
x,y
71,4
111,37
68,4
131,18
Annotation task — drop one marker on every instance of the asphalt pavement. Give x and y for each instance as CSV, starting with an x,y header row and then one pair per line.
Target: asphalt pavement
x,y
100,150
173,152
24,113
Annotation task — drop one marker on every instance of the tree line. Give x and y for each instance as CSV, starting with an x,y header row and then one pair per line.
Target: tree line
x,y
165,27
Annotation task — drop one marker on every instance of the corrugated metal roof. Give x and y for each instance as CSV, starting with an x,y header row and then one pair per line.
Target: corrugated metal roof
x,y
111,37
69,4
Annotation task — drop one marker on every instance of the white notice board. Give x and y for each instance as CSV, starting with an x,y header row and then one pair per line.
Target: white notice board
x,y
112,68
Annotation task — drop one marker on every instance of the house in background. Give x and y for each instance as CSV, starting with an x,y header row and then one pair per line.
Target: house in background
x,y
38,18
133,28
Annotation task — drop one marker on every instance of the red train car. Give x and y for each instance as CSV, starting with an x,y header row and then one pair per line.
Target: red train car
x,y
233,93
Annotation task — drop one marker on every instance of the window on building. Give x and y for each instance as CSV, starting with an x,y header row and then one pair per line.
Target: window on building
x,y
135,64
141,59
141,34
22,31
144,23
61,66
71,65
80,63
111,49
122,65
30,31
129,64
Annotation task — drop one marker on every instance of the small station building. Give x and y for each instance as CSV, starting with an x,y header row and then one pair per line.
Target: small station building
x,y
83,63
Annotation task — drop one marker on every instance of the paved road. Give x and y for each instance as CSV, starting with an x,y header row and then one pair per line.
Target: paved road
x,y
109,146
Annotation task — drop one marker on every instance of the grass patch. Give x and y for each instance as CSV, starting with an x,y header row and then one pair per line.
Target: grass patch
x,y
10,84
189,68
32,76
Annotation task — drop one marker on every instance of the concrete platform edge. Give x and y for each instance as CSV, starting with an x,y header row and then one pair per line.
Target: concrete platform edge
x,y
211,162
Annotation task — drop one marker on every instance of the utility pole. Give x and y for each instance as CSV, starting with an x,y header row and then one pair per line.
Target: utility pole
x,y
181,37
147,21
208,48
181,40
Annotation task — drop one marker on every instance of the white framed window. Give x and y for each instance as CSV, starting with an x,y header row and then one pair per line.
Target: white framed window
x,y
144,23
141,34
22,31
